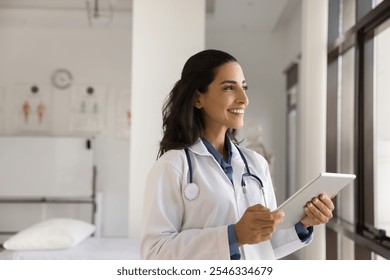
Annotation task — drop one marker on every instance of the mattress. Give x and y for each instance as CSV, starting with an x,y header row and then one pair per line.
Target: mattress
x,y
93,248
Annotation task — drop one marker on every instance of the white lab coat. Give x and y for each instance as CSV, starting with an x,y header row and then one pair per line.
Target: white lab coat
x,y
175,227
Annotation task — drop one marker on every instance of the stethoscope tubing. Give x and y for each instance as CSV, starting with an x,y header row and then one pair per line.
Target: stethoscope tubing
x,y
243,185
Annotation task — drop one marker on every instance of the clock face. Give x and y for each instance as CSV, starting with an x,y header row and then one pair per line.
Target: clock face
x,y
62,78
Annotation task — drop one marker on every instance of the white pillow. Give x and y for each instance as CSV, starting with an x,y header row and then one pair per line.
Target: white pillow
x,y
58,233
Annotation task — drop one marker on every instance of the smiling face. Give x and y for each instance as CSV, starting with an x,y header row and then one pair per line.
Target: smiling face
x,y
225,101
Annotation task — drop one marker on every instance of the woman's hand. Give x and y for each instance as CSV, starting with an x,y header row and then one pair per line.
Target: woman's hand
x,y
318,211
257,225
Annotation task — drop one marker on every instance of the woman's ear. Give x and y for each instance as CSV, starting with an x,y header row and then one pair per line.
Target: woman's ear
x,y
198,102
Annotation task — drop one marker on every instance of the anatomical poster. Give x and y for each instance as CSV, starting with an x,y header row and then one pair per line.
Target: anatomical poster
x,y
32,110
88,109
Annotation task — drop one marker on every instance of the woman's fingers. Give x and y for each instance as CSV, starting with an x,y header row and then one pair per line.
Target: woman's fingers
x,y
257,224
319,209
327,201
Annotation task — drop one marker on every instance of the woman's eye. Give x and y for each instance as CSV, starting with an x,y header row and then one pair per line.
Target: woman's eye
x,y
229,88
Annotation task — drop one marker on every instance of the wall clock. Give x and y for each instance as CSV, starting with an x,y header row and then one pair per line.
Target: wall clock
x,y
62,78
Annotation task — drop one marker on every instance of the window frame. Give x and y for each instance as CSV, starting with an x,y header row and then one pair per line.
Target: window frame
x,y
367,238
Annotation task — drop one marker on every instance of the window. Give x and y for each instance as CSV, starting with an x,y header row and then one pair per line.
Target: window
x,y
358,137
381,129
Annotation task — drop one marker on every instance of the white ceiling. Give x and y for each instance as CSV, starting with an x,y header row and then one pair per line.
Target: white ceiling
x,y
246,14
221,14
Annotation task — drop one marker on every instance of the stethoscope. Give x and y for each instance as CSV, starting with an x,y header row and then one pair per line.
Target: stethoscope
x,y
191,191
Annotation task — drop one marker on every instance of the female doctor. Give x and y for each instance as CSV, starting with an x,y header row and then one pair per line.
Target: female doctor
x,y
206,197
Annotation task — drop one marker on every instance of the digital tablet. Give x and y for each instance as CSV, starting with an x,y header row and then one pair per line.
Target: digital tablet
x,y
328,183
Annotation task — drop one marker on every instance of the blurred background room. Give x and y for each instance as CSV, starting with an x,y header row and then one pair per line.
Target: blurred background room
x,y
82,83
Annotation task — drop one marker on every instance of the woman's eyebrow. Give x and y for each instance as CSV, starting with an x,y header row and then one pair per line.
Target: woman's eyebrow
x,y
231,82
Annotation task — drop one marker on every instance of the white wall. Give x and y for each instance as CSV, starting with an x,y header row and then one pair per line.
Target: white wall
x,y
311,152
165,34
36,42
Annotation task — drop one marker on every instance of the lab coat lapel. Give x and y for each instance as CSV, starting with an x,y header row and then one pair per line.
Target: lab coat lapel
x,y
238,167
237,164
199,148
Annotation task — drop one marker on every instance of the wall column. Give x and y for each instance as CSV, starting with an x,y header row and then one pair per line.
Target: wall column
x,y
165,34
312,107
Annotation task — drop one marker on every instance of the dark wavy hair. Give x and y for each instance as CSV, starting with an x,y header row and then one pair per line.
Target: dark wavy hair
x,y
183,124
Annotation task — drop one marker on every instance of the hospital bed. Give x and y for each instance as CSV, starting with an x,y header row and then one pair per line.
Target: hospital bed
x,y
66,239
92,248
46,178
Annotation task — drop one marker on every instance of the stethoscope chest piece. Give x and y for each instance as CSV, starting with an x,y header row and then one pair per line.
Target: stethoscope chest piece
x,y
191,191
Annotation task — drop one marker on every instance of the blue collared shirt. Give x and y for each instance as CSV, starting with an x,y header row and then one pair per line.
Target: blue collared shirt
x,y
303,233
225,164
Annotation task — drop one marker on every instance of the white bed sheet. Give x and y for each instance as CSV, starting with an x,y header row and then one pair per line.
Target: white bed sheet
x,y
90,249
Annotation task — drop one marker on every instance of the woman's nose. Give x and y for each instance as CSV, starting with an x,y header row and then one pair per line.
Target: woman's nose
x,y
243,98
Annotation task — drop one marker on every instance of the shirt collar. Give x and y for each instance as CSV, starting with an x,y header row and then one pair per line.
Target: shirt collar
x,y
216,154
199,148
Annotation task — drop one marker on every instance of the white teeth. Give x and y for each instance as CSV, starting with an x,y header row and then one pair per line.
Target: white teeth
x,y
237,111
